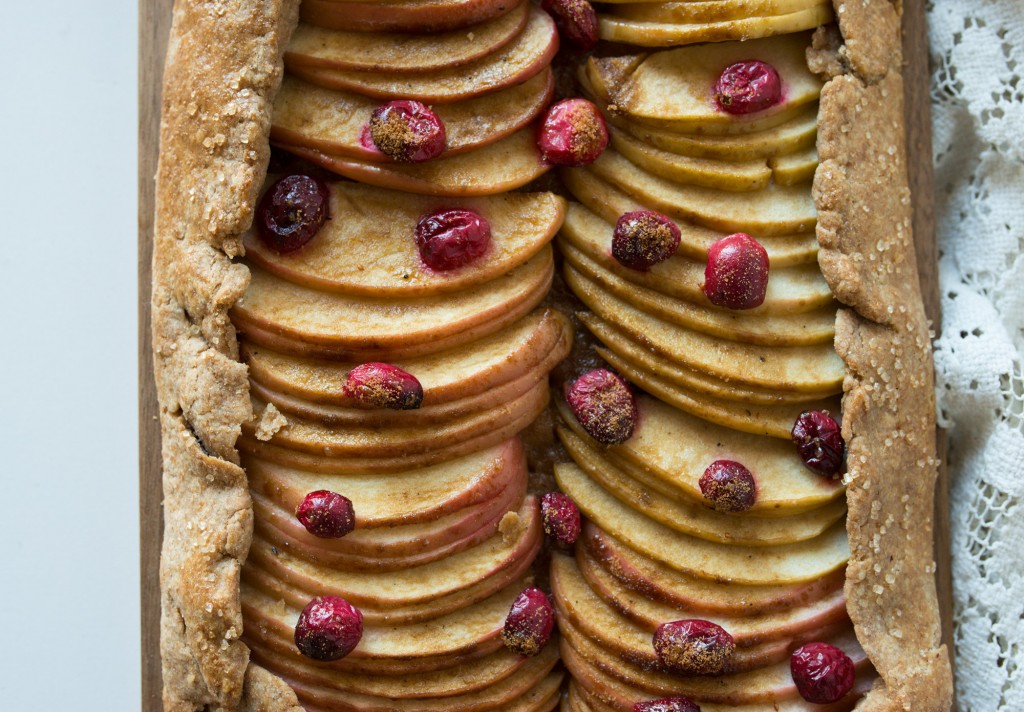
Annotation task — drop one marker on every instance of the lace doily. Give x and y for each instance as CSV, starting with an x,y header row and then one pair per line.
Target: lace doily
x,y
978,102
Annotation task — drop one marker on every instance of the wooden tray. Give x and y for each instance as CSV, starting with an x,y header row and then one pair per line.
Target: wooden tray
x,y
154,26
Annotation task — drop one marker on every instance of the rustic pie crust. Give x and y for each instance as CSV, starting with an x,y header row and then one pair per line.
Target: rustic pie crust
x,y
223,68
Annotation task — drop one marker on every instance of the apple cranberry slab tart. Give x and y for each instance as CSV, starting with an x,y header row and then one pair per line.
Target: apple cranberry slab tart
x,y
353,351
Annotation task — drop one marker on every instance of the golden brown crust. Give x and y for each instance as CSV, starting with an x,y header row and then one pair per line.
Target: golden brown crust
x,y
867,256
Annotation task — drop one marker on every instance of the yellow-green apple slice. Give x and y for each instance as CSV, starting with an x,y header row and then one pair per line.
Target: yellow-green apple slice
x,y
446,377
689,516
369,248
584,275
776,210
674,89
794,168
415,52
706,172
365,324
664,34
705,11
333,121
527,55
675,448
422,16
659,582
604,200
499,167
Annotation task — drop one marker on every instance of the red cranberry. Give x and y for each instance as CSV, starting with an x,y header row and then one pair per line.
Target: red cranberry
x,y
529,622
644,238
746,87
576,21
381,385
449,239
407,131
820,442
736,276
326,514
604,405
572,133
292,211
329,628
667,704
823,673
693,647
561,518
729,486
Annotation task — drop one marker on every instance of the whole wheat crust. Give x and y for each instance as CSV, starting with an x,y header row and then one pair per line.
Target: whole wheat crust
x,y
223,67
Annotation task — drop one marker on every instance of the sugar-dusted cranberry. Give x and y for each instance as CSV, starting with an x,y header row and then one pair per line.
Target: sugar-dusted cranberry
x,y
529,622
823,673
604,405
326,514
449,239
561,518
728,486
644,238
694,647
746,87
576,21
572,133
736,276
292,211
381,385
407,131
329,628
819,440
667,704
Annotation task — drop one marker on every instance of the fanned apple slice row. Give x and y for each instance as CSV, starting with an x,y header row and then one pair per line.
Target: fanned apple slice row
x,y
334,121
446,377
660,582
705,11
413,52
527,55
422,16
369,248
499,167
690,517
668,34
604,200
363,323
675,448
776,210
794,168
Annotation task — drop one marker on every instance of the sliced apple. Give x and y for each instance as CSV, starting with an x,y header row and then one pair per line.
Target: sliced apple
x,y
660,582
605,200
525,56
499,167
333,121
676,448
794,168
706,11
414,52
661,34
687,516
448,376
421,16
365,324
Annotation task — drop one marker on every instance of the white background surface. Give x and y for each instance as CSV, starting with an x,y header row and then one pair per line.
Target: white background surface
x,y
68,480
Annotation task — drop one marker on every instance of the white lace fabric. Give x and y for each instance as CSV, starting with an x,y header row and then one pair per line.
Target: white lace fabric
x,y
977,49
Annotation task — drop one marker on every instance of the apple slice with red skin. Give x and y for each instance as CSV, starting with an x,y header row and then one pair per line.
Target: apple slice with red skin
x,y
422,16
334,121
364,323
419,52
446,377
499,167
659,582
370,249
524,57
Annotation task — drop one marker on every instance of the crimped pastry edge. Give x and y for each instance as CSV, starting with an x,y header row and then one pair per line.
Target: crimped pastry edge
x,y
223,68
